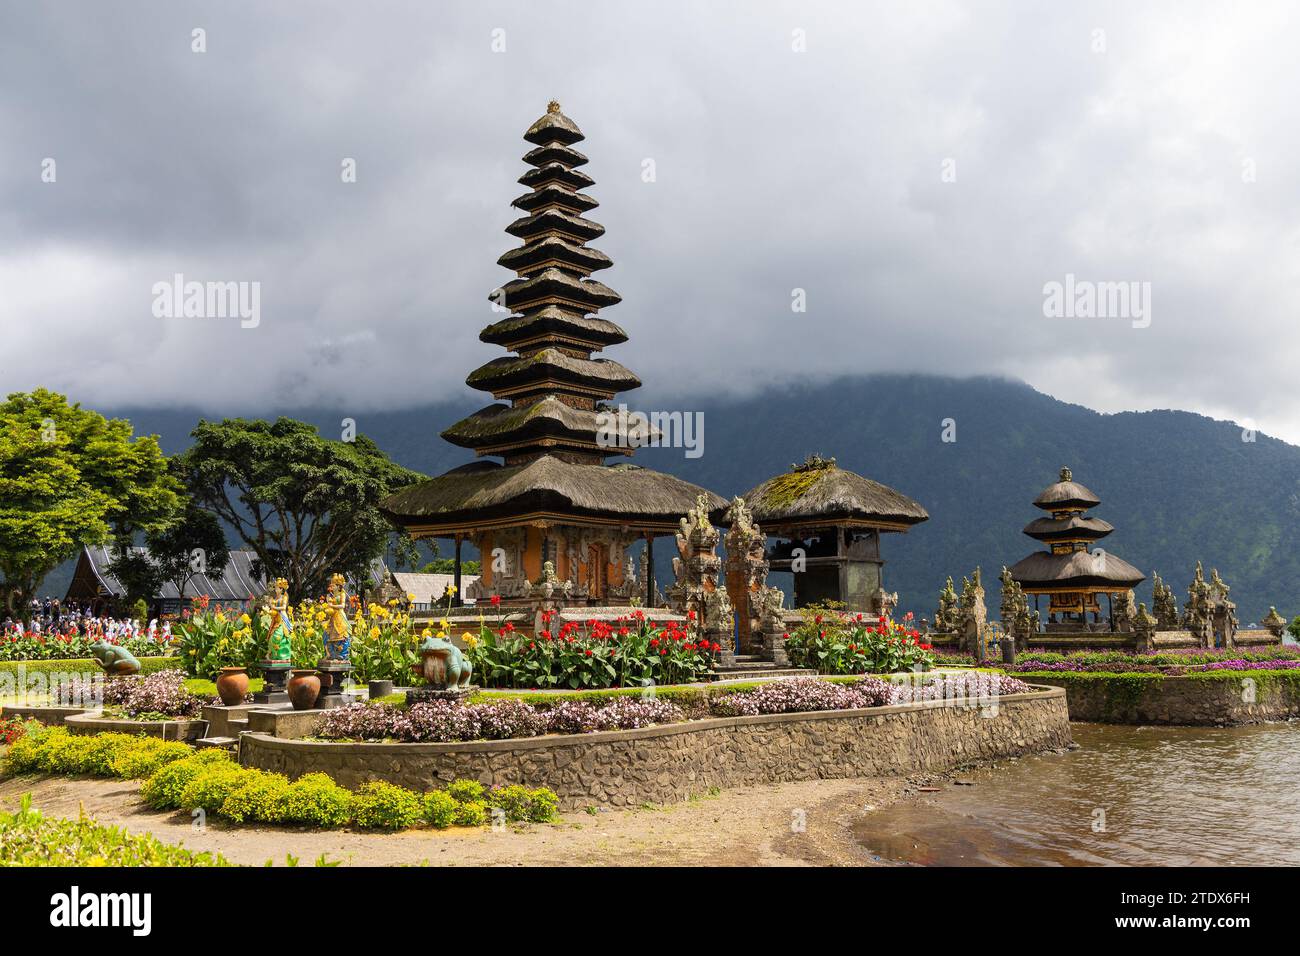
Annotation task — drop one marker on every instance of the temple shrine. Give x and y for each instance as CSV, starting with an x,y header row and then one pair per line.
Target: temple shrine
x,y
1070,572
553,512
828,522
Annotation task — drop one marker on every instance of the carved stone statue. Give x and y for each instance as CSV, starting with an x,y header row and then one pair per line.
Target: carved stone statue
x,y
973,615
1274,623
698,569
947,619
1018,621
1163,604
1144,628
1124,610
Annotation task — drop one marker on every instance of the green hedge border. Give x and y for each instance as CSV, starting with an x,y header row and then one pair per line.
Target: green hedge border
x,y
1126,689
87,665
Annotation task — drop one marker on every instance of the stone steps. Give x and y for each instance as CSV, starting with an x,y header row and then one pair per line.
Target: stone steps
x,y
219,743
753,672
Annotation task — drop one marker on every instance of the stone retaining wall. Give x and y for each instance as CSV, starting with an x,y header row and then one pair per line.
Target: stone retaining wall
x,y
1219,701
90,723
670,763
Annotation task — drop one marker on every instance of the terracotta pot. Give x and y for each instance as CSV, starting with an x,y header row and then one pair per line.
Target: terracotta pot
x,y
304,688
232,685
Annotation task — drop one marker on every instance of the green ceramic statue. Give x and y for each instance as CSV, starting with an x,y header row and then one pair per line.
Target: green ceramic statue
x,y
443,665
116,661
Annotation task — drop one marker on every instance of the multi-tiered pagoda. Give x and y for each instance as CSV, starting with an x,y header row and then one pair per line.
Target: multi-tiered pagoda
x,y
553,498
1069,571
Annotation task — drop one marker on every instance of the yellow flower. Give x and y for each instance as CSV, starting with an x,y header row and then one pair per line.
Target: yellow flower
x,y
471,640
221,618
410,597
442,635
451,589
374,632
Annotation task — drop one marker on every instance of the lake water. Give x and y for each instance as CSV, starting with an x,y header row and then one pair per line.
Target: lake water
x,y
1162,796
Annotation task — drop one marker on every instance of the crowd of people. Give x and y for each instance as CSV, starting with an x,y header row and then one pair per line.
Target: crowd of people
x,y
51,618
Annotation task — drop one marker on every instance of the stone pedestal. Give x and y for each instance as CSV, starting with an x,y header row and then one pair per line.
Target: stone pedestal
x,y
333,674
427,695
275,678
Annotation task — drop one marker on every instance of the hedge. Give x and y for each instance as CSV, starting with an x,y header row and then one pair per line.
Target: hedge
x,y
181,778
86,665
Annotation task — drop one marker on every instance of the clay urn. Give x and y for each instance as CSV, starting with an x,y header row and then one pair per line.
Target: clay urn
x,y
304,688
232,685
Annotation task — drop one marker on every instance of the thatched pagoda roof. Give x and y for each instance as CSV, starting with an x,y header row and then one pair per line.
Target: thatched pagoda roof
x,y
484,493
1066,494
819,492
549,368
1072,528
1076,571
553,323
547,420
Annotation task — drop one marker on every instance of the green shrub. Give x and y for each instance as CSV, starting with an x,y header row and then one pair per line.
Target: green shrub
x,y
522,804
144,758
23,755
208,789
465,791
473,814
29,839
260,799
316,800
440,809
385,806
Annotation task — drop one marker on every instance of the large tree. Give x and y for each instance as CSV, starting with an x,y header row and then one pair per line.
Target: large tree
x,y
69,478
194,543
306,505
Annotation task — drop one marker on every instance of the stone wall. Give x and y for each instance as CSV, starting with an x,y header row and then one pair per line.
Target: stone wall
x,y
670,763
1216,699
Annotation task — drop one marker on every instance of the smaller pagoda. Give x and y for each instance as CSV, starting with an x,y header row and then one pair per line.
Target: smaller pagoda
x,y
1070,571
828,522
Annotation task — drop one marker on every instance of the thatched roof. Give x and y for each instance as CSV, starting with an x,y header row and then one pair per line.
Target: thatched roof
x,y
484,492
821,491
552,366
554,127
553,250
554,153
553,194
551,283
1082,570
547,418
1066,494
558,221
553,320
1073,528
556,173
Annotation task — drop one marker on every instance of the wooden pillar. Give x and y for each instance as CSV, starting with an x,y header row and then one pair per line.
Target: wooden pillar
x,y
649,570
1110,609
456,572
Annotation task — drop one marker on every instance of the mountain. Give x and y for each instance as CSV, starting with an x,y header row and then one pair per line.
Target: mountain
x,y
1177,486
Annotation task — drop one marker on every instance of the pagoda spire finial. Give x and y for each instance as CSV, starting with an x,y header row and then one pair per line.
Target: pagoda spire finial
x,y
1066,474
553,106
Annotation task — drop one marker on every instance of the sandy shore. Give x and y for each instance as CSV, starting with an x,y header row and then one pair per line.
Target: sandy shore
x,y
797,824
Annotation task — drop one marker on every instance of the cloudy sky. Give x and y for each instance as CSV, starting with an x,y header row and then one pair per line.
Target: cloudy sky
x,y
920,170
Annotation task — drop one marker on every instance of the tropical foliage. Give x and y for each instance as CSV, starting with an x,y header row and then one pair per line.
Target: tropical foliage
x,y
832,641
629,651
306,506
70,478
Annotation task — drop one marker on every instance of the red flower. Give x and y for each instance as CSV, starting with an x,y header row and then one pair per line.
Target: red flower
x,y
496,600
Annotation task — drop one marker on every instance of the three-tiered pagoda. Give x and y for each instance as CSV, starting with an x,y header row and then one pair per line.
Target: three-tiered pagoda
x,y
553,498
1069,572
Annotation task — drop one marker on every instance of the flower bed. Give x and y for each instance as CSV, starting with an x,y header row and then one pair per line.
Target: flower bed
x,y
832,641
505,719
49,647
626,652
1173,663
